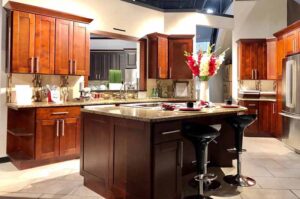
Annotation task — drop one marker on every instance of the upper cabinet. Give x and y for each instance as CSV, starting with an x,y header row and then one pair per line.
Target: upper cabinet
x,y
158,56
291,38
177,66
43,41
252,59
166,56
64,47
272,59
23,36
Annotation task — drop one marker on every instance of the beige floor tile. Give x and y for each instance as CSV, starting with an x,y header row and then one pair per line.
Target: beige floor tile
x,y
84,191
267,194
20,195
53,187
285,173
278,183
297,192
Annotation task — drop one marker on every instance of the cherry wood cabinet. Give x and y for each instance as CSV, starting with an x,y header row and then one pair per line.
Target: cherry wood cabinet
x,y
23,38
81,49
131,158
43,41
290,43
253,108
158,67
178,69
252,59
272,59
47,139
166,56
44,44
43,135
57,132
168,166
143,65
265,125
64,47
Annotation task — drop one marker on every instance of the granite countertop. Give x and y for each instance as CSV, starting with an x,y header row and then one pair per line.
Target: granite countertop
x,y
258,99
94,102
156,115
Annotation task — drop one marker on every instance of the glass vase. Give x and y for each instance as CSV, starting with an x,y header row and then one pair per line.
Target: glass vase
x,y
204,91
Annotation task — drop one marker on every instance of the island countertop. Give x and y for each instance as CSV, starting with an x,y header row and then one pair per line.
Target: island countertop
x,y
157,115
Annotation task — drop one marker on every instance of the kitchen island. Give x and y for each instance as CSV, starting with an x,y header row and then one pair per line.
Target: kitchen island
x,y
140,153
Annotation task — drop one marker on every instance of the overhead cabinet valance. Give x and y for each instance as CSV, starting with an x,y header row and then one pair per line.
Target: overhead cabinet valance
x,y
42,44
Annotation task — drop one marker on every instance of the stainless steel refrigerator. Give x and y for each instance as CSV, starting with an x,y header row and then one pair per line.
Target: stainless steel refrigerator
x,y
291,102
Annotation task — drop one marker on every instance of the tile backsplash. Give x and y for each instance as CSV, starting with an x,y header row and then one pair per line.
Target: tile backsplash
x,y
166,87
262,85
72,85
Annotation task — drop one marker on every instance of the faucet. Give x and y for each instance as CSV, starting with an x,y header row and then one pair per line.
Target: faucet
x,y
123,88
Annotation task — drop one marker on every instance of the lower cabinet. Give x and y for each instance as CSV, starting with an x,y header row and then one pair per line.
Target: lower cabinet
x,y
168,164
265,125
57,137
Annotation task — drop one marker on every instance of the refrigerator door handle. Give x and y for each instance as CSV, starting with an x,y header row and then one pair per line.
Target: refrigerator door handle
x,y
290,116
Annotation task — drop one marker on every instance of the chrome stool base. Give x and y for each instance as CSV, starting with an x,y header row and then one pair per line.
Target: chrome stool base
x,y
239,180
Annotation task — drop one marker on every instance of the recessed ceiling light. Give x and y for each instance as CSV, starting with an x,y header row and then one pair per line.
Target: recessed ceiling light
x,y
209,11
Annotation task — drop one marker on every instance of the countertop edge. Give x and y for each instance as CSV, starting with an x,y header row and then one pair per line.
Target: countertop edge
x,y
165,118
93,103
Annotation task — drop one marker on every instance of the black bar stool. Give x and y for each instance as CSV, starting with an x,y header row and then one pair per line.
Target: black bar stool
x,y
239,124
201,136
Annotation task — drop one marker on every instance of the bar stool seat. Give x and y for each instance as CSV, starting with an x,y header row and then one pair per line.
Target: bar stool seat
x,y
201,136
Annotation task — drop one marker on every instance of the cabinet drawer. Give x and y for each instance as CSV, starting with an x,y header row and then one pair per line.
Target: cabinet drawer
x,y
167,131
57,112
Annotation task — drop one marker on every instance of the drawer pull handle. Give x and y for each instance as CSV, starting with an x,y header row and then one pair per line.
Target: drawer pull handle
x,y
252,105
59,113
170,132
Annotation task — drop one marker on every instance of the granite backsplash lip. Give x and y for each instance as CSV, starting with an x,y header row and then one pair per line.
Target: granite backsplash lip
x,y
94,102
258,99
148,115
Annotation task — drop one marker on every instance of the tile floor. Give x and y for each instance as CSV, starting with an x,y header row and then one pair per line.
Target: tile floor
x,y
275,168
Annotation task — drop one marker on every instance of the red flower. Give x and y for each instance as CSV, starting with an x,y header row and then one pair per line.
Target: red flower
x,y
212,65
192,65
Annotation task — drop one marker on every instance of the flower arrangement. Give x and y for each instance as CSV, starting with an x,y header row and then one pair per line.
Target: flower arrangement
x,y
204,65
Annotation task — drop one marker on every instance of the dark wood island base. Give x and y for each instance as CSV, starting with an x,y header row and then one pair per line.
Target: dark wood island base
x,y
141,158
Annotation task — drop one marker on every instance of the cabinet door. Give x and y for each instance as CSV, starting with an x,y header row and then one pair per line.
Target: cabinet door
x,y
253,107
261,59
272,59
95,143
177,66
23,36
280,57
290,43
63,47
81,49
130,59
298,40
162,62
273,121
93,75
47,139
265,118
244,60
167,170
69,136
44,44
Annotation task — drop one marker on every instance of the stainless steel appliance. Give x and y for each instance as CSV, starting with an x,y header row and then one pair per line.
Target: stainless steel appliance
x,y
291,102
